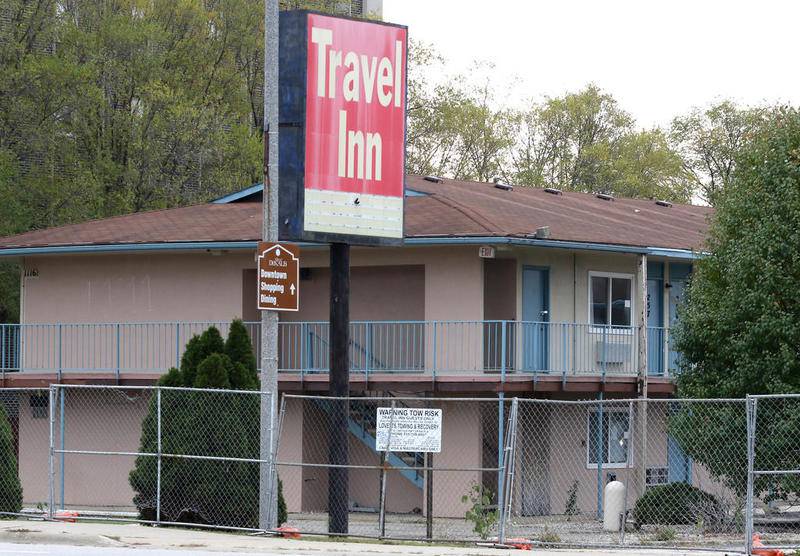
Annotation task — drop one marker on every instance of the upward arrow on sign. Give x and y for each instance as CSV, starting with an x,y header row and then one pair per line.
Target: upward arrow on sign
x,y
291,288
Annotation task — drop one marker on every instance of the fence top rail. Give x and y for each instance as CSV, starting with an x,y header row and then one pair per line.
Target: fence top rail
x,y
168,388
771,396
41,389
606,401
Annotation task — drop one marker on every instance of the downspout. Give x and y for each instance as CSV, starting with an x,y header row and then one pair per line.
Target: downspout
x,y
574,310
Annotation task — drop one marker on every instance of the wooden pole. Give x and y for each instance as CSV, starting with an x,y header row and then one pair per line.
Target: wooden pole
x,y
339,386
641,272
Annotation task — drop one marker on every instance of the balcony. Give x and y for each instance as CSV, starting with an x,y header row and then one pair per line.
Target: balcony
x,y
502,349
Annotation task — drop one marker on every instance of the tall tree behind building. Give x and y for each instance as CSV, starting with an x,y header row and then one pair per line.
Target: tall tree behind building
x,y
709,139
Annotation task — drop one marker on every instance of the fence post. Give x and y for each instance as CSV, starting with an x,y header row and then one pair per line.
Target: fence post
x,y
61,443
500,452
382,516
51,502
751,405
158,452
508,471
600,451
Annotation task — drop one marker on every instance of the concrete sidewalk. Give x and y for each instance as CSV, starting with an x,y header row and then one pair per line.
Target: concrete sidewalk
x,y
116,536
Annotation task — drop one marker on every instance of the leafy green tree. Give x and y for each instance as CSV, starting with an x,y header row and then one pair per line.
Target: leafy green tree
x,y
739,329
709,140
208,424
584,141
10,487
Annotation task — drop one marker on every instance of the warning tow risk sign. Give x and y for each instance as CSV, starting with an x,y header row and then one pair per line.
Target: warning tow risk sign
x,y
410,430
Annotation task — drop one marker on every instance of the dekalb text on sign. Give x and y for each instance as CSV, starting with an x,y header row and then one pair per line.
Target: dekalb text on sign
x,y
354,131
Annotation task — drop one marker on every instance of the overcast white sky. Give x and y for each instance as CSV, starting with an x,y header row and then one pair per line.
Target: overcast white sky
x,y
657,58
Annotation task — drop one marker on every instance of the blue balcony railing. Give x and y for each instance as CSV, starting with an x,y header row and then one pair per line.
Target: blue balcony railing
x,y
410,347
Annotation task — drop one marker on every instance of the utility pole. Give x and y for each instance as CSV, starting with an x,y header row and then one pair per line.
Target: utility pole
x,y
268,503
339,389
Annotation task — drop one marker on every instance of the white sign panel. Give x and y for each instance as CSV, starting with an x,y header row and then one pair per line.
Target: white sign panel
x,y
411,429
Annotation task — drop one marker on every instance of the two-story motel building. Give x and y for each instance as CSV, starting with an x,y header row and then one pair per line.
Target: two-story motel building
x,y
527,292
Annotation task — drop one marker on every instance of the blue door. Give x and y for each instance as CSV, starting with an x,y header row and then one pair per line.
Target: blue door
x,y
678,276
535,316
655,319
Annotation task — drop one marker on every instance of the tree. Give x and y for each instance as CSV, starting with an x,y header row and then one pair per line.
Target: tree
x,y
739,329
209,424
585,142
10,487
456,127
709,139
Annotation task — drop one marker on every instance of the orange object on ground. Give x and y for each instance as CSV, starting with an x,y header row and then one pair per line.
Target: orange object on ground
x,y
760,550
519,543
289,532
66,515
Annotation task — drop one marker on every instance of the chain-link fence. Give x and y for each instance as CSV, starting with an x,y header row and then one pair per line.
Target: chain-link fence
x,y
630,472
773,477
453,491
710,474
25,435
156,454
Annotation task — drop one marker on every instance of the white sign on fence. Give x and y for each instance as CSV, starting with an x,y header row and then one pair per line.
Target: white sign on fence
x,y
412,429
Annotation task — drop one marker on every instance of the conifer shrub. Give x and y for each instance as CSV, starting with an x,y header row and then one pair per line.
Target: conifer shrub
x,y
205,424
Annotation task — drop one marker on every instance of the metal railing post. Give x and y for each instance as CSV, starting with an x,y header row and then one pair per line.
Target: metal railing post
x,y
751,405
119,355
51,498
435,348
158,452
367,350
503,352
58,327
177,345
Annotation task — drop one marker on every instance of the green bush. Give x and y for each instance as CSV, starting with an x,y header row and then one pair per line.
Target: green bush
x,y
677,504
207,424
10,487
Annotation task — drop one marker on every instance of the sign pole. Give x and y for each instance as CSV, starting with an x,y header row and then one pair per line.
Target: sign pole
x,y
268,512
339,389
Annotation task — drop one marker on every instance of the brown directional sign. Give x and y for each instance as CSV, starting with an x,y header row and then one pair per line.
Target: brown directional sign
x,y
278,276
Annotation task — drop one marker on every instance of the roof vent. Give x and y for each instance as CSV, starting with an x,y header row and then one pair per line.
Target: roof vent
x,y
543,232
434,179
664,204
552,191
504,186
605,196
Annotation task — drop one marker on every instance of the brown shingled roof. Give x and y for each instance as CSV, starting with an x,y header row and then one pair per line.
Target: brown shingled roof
x,y
451,208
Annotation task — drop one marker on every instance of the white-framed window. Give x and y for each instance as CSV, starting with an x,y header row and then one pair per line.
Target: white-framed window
x,y
610,299
612,438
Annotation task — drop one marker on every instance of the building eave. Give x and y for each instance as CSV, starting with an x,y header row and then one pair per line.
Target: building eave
x,y
685,254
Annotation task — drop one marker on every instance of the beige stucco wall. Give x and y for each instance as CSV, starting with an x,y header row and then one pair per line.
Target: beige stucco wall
x,y
95,421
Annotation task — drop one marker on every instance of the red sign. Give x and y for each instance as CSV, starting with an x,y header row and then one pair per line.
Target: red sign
x,y
355,127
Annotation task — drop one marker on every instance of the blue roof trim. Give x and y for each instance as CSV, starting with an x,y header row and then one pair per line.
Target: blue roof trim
x,y
252,190
477,240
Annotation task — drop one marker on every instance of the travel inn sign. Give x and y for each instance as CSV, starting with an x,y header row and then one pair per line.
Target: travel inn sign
x,y
343,124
